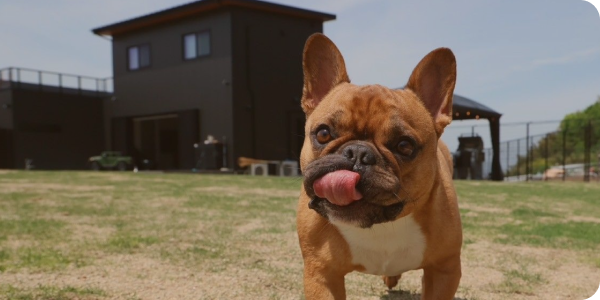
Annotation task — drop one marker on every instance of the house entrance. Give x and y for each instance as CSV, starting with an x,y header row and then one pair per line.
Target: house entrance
x,y
155,141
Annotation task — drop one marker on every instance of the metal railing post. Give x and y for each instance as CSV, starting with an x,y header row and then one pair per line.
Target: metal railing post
x,y
518,163
19,77
587,151
546,159
40,80
527,170
531,145
507,158
564,160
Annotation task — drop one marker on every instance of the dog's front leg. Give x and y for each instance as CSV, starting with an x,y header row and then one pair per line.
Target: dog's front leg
x,y
441,283
320,283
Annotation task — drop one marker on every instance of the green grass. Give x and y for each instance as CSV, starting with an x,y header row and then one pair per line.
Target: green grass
x,y
51,293
520,282
237,235
127,243
568,235
534,214
31,228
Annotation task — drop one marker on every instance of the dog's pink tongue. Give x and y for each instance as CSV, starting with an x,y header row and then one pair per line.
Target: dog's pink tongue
x,y
338,187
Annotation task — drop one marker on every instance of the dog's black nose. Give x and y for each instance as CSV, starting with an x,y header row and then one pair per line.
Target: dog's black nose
x,y
359,155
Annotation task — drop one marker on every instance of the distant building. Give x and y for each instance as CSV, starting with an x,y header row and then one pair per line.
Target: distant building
x,y
50,120
227,68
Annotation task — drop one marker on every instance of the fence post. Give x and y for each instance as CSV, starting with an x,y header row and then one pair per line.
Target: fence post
x,y
564,158
40,80
60,87
79,84
546,158
527,171
518,163
507,158
531,157
587,150
10,75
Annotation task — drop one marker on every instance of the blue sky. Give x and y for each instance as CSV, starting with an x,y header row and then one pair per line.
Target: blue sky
x,y
530,60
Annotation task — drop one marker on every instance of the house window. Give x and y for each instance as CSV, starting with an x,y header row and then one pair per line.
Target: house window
x,y
196,45
138,57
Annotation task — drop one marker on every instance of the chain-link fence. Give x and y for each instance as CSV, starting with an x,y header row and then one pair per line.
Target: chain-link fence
x,y
570,153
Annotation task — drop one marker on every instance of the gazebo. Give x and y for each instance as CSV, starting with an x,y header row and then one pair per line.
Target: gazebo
x,y
467,109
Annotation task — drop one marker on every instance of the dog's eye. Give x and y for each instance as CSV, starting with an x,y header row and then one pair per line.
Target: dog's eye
x,y
406,147
323,135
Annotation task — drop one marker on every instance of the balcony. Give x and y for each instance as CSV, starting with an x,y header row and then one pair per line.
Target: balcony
x,y
21,78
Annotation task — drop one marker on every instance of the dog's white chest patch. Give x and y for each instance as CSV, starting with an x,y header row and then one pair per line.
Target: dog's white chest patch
x,y
388,248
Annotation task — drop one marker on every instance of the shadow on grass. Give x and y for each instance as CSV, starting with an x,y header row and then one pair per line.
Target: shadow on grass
x,y
404,295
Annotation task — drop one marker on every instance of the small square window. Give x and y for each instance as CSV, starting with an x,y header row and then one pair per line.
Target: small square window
x,y
196,45
138,57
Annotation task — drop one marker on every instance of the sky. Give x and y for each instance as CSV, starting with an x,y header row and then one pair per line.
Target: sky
x,y
531,60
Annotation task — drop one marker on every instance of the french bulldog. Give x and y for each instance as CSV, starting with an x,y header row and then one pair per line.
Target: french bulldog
x,y
377,193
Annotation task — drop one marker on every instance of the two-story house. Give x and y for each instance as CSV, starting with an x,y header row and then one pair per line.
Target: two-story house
x,y
227,68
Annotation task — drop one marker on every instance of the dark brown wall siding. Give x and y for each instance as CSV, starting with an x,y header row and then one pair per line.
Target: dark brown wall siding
x,y
6,149
56,130
6,114
268,81
173,84
188,134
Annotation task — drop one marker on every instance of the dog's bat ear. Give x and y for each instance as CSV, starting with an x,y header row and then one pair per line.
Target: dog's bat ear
x,y
324,68
433,81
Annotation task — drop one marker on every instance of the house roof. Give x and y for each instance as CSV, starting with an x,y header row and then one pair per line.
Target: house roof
x,y
204,6
465,108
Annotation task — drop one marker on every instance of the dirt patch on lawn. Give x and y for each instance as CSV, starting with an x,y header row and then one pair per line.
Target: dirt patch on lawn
x,y
583,219
485,209
140,277
233,191
495,271
13,187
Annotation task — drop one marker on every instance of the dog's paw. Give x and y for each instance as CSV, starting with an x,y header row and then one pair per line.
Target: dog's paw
x,y
391,281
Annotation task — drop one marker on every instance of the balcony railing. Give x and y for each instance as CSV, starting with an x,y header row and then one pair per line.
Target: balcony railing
x,y
53,81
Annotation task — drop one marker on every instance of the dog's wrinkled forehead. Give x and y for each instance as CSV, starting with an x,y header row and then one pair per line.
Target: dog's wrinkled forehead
x,y
371,108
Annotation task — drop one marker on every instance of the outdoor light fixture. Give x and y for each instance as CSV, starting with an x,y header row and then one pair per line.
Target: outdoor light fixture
x,y
468,113
457,114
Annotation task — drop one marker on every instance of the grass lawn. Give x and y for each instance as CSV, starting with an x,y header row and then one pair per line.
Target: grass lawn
x,y
86,235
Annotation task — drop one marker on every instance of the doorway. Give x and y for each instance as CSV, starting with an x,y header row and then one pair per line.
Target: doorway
x,y
156,142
